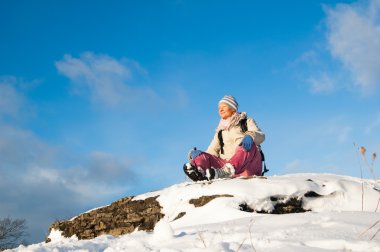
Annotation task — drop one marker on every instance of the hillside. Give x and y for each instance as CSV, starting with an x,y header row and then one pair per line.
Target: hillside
x,y
298,212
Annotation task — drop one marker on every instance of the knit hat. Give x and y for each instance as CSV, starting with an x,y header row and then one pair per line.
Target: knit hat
x,y
230,101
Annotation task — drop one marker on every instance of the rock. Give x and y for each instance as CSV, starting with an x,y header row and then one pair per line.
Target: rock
x,y
121,217
201,201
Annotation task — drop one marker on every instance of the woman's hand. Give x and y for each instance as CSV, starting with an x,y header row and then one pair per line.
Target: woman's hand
x,y
247,142
194,153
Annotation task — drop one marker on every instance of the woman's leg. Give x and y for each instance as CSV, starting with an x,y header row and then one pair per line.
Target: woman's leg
x,y
246,163
206,161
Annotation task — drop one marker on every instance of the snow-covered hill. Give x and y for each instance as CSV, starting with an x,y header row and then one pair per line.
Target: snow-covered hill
x,y
342,214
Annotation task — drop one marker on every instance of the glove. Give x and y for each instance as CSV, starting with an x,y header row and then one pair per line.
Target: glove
x,y
247,142
194,153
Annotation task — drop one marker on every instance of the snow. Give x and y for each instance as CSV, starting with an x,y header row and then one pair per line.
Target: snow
x,y
344,219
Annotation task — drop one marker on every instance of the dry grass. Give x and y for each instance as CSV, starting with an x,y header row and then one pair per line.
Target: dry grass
x,y
361,175
371,167
250,236
200,236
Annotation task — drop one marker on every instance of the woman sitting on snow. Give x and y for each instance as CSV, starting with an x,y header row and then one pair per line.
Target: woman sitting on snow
x,y
234,150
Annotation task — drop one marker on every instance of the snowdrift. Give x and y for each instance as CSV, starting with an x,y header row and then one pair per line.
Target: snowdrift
x,y
324,212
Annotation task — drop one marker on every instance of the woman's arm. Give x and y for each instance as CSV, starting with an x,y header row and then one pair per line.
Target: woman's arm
x,y
214,147
255,132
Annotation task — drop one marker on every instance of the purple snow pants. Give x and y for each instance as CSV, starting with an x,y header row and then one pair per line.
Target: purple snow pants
x,y
246,163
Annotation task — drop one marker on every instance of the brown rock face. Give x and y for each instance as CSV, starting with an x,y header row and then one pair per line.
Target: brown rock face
x,y
126,215
121,217
199,202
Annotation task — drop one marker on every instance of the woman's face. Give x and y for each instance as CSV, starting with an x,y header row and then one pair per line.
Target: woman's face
x,y
225,111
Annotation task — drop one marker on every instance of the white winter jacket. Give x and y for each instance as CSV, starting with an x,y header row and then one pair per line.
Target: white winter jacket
x,y
233,135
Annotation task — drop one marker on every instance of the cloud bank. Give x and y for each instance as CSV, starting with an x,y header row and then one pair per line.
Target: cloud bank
x,y
353,38
37,185
105,80
42,182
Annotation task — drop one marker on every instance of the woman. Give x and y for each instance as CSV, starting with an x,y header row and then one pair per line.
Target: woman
x,y
233,151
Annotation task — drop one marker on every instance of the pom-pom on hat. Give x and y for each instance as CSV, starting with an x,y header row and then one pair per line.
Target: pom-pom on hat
x,y
230,101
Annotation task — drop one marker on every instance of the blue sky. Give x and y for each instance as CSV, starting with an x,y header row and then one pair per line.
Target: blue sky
x,y
103,99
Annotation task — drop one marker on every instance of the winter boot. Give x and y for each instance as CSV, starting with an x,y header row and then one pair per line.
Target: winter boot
x,y
193,173
227,171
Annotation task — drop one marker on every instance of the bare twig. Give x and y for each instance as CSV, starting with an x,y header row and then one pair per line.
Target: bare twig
x,y
250,235
375,234
241,244
377,205
372,226
11,232
202,239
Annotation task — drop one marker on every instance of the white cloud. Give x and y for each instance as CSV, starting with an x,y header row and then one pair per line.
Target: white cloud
x,y
321,77
309,57
354,39
105,79
322,84
42,175
11,100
